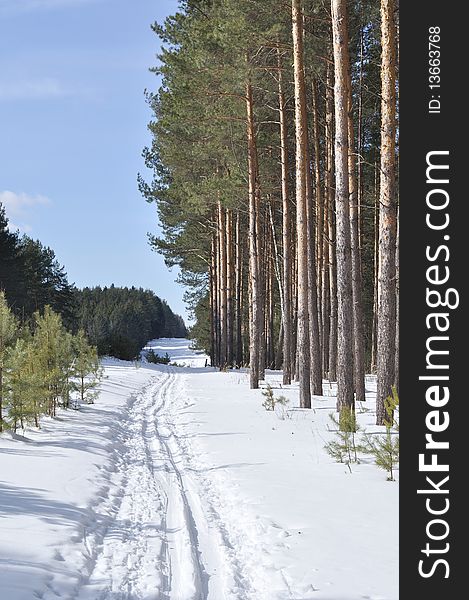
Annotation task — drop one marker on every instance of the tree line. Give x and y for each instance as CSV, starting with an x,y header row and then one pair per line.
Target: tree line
x,y
118,321
274,160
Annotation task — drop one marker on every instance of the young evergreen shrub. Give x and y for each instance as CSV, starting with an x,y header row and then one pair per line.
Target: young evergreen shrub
x,y
385,447
280,404
87,370
271,401
156,359
344,449
54,346
42,368
25,385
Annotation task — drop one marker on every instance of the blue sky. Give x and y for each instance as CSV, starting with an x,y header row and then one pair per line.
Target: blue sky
x,y
73,122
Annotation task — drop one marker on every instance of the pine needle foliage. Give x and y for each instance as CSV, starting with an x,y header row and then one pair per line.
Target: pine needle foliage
x,y
153,357
43,368
385,447
344,449
271,401
8,332
87,370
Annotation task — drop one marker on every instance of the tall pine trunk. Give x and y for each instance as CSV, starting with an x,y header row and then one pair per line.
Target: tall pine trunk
x,y
358,324
396,361
313,304
319,206
386,335
303,340
332,264
345,386
223,286
238,332
254,274
286,233
229,287
374,332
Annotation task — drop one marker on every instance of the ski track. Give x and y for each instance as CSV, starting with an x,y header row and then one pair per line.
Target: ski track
x,y
155,532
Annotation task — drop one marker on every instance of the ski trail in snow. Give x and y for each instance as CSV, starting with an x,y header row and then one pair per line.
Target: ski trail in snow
x,y
240,568
235,558
131,562
187,573
164,539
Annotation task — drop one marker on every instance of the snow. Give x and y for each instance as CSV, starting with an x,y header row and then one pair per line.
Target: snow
x,y
178,485
179,350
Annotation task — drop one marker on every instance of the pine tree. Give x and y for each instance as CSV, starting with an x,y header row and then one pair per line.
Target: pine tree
x,y
26,385
386,319
55,353
11,276
230,140
385,448
8,332
86,368
344,449
345,387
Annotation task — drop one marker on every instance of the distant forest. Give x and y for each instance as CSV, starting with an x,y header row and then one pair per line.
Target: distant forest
x,y
118,321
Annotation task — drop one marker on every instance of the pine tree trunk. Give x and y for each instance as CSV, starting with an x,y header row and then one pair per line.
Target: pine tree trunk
x,y
220,293
214,300
374,332
229,287
294,291
239,287
303,340
276,273
261,252
269,335
358,325
386,342
345,386
319,206
360,145
332,358
333,335
254,275
286,233
223,286
325,293
279,349
313,304
211,308
313,312
396,361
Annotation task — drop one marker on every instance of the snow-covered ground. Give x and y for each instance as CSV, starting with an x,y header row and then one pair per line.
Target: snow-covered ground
x,y
179,350
178,485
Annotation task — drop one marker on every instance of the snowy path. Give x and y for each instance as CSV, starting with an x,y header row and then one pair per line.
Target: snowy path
x,y
156,545
178,485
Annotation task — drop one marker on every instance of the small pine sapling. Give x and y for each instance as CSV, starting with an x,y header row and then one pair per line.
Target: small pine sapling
x,y
280,404
156,359
25,384
385,448
87,369
271,401
344,449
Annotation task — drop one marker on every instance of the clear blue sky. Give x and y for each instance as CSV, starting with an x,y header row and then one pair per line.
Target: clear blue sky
x,y
73,123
